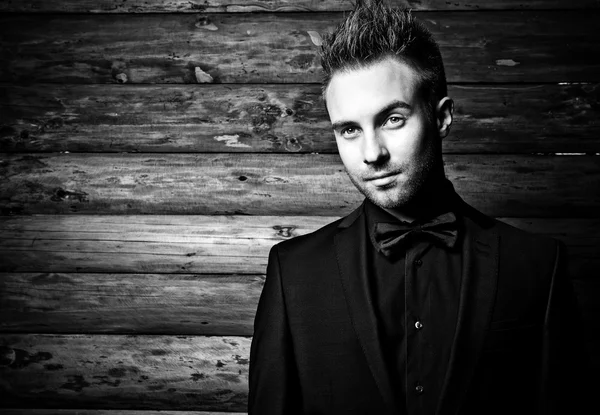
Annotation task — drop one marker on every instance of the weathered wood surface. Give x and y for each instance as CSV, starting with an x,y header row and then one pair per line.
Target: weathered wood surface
x,y
278,118
205,244
162,244
173,304
274,184
282,48
130,303
128,372
230,6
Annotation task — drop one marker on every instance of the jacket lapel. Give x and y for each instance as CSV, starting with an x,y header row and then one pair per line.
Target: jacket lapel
x,y
351,254
478,290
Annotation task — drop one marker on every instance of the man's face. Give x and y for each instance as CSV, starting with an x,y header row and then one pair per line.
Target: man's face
x,y
387,141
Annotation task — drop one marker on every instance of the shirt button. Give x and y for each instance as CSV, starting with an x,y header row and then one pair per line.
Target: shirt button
x,y
419,389
418,325
418,262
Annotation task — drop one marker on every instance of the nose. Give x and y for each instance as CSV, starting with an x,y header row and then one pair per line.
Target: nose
x,y
374,149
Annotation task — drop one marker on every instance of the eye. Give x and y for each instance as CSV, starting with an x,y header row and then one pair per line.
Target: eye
x,y
394,121
349,132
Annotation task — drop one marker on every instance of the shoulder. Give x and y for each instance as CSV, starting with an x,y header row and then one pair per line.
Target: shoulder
x,y
519,251
533,257
511,238
515,239
316,244
310,243
525,257
304,260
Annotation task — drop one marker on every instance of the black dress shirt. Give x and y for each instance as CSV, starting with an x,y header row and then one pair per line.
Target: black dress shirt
x,y
415,294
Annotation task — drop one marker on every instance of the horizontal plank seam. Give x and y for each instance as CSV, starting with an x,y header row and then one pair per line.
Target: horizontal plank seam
x,y
217,275
112,334
297,153
460,153
296,12
220,274
266,84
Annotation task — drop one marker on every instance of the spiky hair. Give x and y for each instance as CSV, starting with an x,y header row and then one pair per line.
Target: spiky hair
x,y
374,31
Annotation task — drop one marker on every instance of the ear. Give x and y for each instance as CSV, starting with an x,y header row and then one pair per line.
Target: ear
x,y
443,114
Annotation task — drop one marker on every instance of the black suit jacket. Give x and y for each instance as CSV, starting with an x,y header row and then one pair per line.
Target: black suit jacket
x,y
516,349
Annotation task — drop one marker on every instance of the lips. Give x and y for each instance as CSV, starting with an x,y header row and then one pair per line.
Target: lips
x,y
382,176
383,179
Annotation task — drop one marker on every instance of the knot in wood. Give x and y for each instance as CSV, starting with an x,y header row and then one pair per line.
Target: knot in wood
x,y
121,78
293,145
284,231
203,22
61,194
7,356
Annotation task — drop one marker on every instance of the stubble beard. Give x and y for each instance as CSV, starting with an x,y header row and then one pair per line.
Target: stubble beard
x,y
401,195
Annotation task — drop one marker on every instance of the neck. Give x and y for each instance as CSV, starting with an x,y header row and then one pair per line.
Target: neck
x,y
426,202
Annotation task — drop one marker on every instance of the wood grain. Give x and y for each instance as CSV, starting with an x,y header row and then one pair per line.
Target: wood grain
x,y
154,244
205,244
173,304
275,184
128,372
281,47
187,304
195,6
278,118
146,288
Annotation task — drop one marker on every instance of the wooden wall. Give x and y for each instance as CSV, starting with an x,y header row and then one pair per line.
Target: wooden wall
x,y
153,151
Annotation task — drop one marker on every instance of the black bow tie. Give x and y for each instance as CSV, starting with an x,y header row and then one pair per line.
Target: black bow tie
x,y
389,236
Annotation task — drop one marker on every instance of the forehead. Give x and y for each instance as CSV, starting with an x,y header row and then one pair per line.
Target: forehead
x,y
357,92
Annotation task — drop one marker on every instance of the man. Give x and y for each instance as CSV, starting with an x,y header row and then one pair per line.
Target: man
x,y
415,302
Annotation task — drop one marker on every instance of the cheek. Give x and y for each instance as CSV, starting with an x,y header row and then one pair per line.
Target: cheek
x,y
349,155
409,143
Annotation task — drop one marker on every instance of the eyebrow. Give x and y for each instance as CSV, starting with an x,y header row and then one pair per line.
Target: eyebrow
x,y
391,106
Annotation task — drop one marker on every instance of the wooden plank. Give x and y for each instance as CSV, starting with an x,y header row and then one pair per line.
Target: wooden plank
x,y
281,48
205,244
124,372
188,304
195,6
129,303
278,118
128,372
275,184
162,244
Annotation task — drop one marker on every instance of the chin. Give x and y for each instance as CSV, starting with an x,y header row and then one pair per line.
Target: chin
x,y
398,195
387,203
393,198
